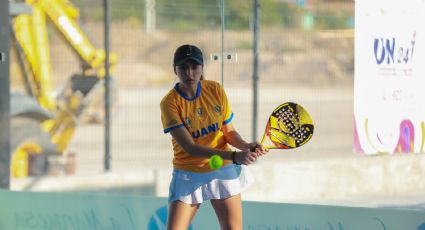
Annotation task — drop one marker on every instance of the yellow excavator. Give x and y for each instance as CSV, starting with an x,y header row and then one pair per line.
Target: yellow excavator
x,y
43,123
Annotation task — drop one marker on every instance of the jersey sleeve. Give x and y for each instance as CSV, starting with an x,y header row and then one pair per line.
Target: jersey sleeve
x,y
170,116
228,114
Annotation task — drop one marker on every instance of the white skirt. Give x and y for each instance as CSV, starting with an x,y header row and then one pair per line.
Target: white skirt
x,y
195,188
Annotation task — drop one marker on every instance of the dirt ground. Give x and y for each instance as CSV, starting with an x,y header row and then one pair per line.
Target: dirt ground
x,y
287,56
316,59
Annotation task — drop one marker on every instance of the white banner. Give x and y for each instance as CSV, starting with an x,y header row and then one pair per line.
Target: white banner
x,y
389,94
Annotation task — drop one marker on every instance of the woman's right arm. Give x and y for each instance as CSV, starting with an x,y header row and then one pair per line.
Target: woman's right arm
x,y
184,139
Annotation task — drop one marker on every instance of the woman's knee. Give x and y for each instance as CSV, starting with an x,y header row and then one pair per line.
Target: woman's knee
x,y
180,215
229,212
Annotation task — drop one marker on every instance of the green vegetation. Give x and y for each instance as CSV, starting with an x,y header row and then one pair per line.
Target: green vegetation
x,y
201,14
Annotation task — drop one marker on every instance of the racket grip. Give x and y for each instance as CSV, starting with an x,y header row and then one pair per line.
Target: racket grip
x,y
261,143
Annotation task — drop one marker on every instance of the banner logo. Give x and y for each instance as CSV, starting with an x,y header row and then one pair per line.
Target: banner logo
x,y
394,56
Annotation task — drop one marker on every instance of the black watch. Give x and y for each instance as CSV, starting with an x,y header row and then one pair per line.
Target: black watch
x,y
234,158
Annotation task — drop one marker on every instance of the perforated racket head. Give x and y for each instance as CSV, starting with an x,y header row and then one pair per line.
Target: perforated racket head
x,y
289,126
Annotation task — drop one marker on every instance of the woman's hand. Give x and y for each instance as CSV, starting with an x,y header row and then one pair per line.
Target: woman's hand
x,y
245,157
257,148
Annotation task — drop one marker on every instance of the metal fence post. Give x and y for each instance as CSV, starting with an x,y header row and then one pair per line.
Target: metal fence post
x,y
4,95
107,21
256,9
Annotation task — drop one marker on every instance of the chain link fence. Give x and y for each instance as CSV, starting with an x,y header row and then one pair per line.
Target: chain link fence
x,y
306,55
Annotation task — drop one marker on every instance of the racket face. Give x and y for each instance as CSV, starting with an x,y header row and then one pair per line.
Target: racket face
x,y
289,126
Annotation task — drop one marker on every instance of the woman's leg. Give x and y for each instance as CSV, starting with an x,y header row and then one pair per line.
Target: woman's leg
x,y
229,212
180,215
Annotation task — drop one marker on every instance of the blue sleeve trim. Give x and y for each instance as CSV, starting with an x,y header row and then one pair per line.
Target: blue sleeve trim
x,y
171,128
228,120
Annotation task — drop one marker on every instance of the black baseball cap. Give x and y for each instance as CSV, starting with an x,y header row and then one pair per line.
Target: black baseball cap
x,y
188,52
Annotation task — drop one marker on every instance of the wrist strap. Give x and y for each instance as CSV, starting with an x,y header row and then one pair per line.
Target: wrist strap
x,y
234,158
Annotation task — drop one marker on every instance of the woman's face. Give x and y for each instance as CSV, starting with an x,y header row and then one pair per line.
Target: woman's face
x,y
189,73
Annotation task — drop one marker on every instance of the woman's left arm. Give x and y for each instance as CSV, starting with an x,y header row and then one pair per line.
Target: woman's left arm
x,y
232,137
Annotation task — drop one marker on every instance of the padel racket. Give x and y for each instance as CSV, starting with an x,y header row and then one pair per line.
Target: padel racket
x,y
289,126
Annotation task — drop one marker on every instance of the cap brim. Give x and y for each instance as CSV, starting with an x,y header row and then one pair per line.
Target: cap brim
x,y
197,60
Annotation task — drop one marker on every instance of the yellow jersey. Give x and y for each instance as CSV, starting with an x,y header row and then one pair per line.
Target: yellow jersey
x,y
202,116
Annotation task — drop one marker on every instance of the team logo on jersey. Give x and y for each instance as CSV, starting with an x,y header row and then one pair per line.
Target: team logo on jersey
x,y
217,109
200,111
188,122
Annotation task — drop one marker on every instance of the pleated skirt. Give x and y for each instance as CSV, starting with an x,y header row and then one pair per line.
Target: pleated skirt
x,y
195,188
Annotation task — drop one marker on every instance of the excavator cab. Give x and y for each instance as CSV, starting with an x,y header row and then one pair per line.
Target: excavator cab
x,y
43,122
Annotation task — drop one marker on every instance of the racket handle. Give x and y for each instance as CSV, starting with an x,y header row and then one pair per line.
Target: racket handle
x,y
261,143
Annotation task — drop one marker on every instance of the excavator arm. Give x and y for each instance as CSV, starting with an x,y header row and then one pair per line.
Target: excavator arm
x,y
63,14
30,34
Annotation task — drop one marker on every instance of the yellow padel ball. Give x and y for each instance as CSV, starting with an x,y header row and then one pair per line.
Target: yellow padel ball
x,y
216,162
